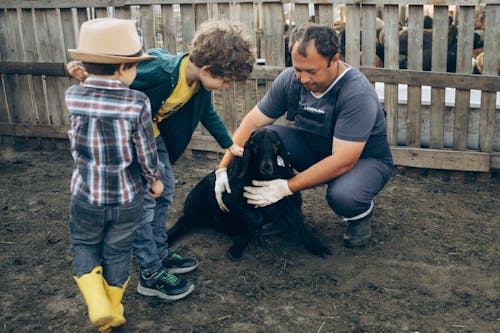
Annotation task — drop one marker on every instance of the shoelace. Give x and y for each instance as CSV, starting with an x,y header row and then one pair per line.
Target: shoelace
x,y
168,277
176,256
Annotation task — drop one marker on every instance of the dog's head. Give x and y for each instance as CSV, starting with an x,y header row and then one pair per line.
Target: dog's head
x,y
264,157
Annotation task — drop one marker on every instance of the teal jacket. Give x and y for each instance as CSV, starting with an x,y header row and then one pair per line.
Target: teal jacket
x,y
157,78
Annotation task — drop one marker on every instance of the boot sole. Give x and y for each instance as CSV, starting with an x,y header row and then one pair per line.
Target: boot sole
x,y
356,242
156,293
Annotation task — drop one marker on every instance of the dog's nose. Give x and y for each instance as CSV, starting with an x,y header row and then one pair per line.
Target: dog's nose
x,y
266,169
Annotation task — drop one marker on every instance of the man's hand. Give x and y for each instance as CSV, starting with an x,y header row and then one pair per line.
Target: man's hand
x,y
266,192
76,70
221,186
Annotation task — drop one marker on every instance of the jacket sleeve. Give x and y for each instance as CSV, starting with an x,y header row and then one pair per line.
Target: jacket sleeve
x,y
212,122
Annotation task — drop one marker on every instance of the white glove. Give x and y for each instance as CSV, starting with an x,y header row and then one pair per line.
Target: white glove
x,y
221,186
266,192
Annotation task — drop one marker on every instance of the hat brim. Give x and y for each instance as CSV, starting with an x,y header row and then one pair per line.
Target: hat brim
x,y
105,58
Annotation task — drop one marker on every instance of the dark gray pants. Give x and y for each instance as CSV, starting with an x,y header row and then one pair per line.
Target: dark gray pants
x,y
349,195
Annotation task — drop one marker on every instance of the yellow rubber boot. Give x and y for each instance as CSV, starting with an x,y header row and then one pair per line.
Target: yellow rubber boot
x,y
99,307
115,295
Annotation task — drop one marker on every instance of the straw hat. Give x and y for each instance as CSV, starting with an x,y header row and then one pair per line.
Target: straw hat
x,y
109,41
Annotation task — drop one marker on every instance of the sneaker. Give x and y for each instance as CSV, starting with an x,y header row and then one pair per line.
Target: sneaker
x,y
164,285
176,264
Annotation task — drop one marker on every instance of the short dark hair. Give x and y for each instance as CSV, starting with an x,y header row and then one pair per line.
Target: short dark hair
x,y
107,69
325,39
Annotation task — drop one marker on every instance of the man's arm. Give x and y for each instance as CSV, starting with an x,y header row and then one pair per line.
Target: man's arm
x,y
344,156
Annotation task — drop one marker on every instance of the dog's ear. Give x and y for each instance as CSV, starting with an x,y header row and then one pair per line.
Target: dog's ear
x,y
245,159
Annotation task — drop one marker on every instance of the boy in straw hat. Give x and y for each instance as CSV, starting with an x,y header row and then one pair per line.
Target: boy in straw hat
x,y
114,152
180,90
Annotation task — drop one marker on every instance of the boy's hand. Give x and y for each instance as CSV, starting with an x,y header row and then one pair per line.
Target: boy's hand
x,y
236,150
156,189
76,70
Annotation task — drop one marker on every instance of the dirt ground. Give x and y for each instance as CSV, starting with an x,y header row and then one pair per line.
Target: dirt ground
x,y
432,265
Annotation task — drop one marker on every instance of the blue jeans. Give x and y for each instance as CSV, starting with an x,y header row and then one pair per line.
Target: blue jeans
x,y
150,244
102,236
349,195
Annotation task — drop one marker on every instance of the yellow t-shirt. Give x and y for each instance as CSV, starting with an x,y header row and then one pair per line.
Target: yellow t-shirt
x,y
181,94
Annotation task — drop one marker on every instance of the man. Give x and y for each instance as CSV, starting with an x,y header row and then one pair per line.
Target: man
x,y
338,137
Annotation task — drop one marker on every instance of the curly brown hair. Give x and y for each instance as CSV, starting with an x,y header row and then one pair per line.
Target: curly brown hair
x,y
225,48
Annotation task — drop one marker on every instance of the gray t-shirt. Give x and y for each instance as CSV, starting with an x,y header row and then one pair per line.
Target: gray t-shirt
x,y
349,110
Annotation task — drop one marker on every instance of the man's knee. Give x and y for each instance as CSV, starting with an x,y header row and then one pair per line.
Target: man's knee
x,y
346,203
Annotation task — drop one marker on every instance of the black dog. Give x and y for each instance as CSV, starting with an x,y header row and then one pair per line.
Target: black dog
x,y
264,158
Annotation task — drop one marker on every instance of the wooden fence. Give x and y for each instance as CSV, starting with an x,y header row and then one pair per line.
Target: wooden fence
x,y
459,130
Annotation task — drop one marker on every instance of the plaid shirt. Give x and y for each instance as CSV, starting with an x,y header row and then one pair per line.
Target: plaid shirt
x,y
112,141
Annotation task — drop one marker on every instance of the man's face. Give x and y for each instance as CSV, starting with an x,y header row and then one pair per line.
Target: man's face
x,y
313,70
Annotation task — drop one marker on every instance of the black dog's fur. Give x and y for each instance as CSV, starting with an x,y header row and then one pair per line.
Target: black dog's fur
x,y
259,162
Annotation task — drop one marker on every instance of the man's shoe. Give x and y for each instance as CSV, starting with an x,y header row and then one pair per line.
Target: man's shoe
x,y
176,264
359,231
164,285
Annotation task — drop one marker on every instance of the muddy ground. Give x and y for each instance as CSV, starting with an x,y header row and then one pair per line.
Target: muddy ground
x,y
432,265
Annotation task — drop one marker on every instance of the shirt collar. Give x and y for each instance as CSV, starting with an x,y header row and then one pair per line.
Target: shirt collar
x,y
113,84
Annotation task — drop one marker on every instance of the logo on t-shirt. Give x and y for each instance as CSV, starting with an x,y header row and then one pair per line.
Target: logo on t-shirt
x,y
313,110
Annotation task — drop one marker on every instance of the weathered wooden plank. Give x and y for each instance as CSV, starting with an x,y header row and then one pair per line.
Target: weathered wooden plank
x,y
301,14
221,11
33,68
439,56
200,14
403,156
188,25
30,54
117,3
147,26
465,38
441,159
18,85
325,16
414,50
490,67
368,36
442,80
101,12
229,109
168,31
352,28
31,130
274,44
391,60
38,105
50,41
123,12
4,110
247,17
